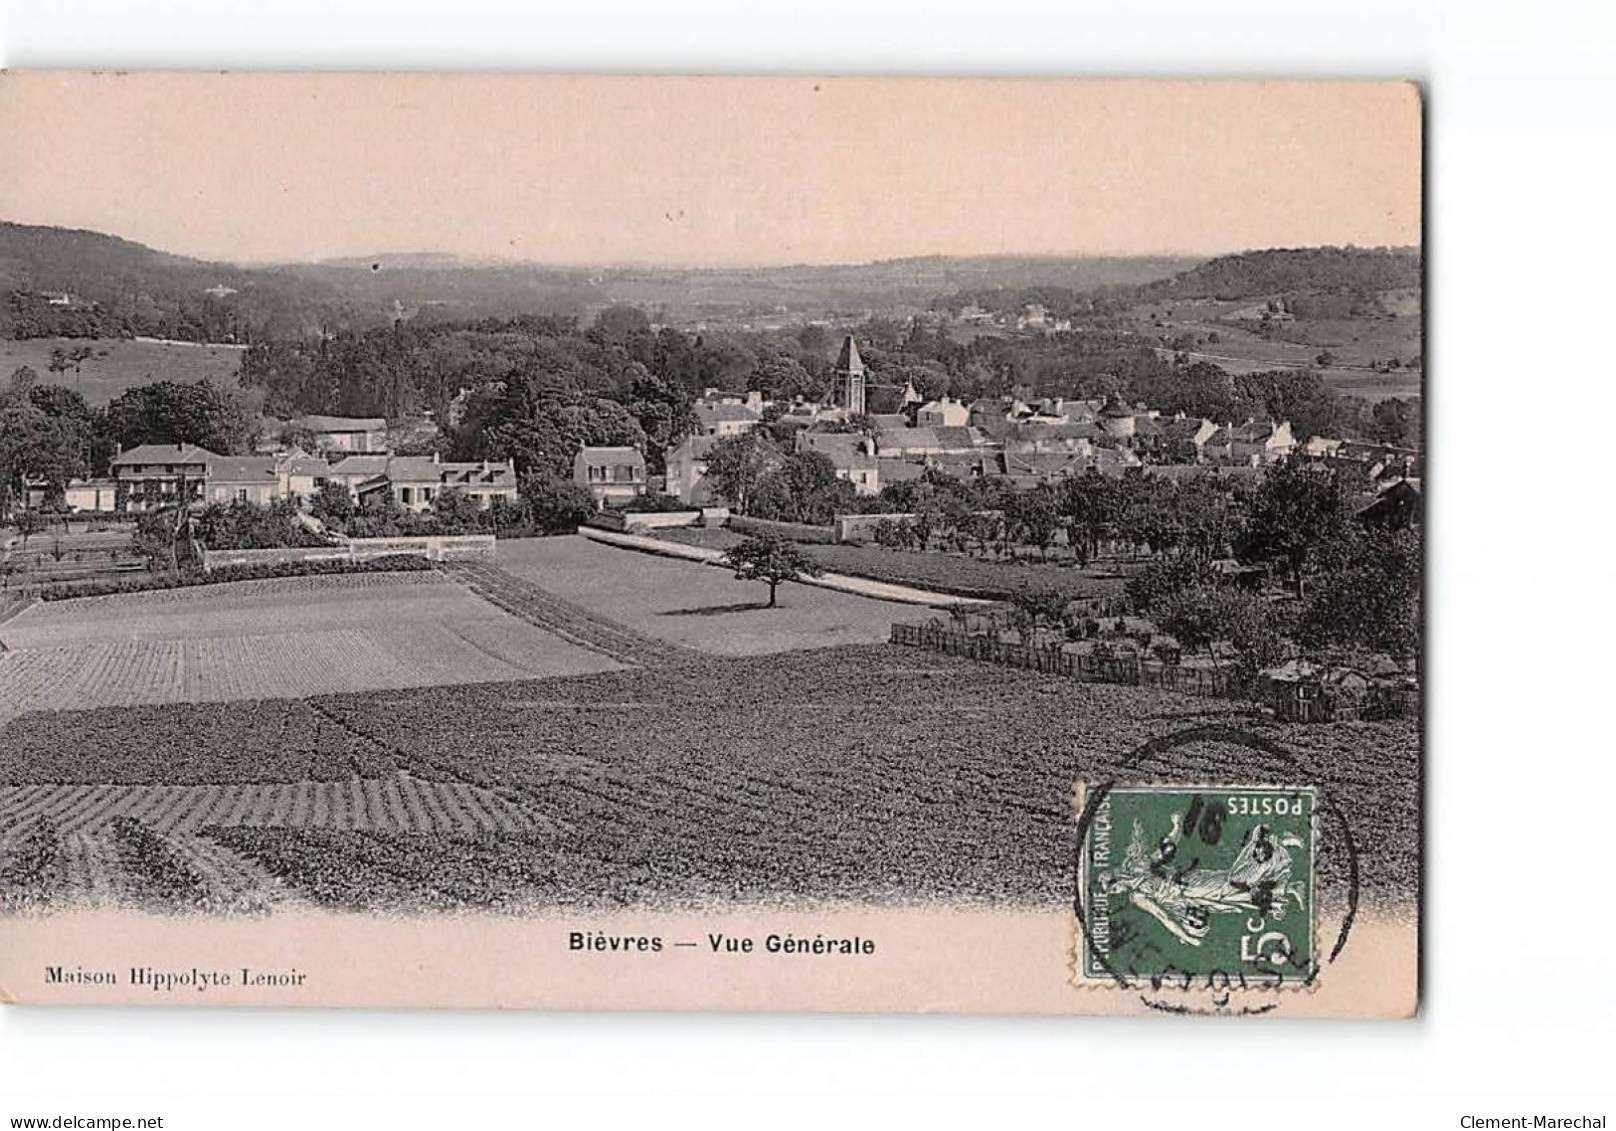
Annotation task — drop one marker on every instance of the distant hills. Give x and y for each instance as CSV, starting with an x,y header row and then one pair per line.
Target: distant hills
x,y
61,282
1282,270
1246,274
57,282
70,283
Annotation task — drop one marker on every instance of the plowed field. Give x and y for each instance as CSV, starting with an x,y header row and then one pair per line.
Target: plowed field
x,y
262,639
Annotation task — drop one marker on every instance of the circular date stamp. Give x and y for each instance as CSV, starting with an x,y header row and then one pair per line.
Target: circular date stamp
x,y
1203,897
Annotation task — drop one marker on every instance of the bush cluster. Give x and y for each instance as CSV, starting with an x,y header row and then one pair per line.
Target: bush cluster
x,y
392,563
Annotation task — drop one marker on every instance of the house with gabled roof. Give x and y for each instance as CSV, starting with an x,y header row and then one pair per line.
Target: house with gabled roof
x,y
359,435
725,418
416,482
686,464
851,453
944,412
907,443
1185,437
1254,442
151,476
354,470
611,475
242,479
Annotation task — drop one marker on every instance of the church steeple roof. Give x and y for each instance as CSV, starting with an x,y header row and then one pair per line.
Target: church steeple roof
x,y
849,361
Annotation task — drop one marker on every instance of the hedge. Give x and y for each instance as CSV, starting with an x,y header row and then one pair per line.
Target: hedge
x,y
393,563
792,531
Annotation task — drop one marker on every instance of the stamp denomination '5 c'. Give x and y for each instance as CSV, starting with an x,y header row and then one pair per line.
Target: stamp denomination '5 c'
x,y
1181,883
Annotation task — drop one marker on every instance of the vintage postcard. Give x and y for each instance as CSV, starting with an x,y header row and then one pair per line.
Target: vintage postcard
x,y
711,543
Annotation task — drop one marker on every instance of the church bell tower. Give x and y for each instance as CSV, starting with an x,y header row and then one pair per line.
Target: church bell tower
x,y
850,373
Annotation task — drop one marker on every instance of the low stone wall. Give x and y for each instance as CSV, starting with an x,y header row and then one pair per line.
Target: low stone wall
x,y
659,520
213,559
861,527
436,548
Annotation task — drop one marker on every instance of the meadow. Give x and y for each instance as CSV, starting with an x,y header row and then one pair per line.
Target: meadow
x,y
936,570
119,363
693,605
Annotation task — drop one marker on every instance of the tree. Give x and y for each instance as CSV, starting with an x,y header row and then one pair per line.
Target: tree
x,y
1299,511
804,488
737,464
155,535
1035,517
1034,608
23,380
36,446
170,412
1372,600
663,410
1154,587
1092,505
784,378
457,512
28,523
1396,421
1202,615
618,322
770,559
541,430
558,506
333,504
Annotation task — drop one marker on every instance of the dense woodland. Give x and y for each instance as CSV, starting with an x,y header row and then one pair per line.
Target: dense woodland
x,y
1314,274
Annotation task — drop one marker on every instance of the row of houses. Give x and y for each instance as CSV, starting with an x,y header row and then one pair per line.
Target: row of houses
x,y
1024,442
154,476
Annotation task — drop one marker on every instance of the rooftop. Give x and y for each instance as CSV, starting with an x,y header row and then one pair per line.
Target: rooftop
x,y
603,457
716,413
343,423
848,359
165,453
242,469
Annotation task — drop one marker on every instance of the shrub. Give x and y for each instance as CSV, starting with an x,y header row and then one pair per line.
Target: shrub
x,y
1164,579
392,563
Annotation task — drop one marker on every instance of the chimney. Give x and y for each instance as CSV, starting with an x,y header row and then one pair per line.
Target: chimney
x,y
436,458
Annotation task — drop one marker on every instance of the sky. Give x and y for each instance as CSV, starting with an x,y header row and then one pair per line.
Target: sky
x,y
685,171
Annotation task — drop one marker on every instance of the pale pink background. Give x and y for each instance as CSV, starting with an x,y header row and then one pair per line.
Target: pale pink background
x,y
251,167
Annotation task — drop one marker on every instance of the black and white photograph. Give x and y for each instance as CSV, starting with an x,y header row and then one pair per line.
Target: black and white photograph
x,y
729,543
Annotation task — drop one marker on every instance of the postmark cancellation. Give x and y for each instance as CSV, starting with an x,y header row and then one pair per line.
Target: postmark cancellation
x,y
1196,888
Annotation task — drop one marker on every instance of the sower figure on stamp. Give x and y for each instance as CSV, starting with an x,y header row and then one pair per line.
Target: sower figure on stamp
x,y
1185,899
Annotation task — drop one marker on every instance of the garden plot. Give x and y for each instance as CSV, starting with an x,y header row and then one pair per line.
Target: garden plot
x,y
261,639
695,605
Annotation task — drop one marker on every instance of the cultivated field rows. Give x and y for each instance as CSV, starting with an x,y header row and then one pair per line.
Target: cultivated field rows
x,y
398,803
866,773
264,639
150,870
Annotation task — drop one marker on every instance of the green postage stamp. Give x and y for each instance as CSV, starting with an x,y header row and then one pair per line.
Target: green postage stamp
x,y
1204,885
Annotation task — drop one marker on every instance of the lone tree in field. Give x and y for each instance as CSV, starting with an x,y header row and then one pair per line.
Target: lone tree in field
x,y
767,558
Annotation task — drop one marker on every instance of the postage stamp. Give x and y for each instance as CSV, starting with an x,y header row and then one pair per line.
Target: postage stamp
x,y
1197,884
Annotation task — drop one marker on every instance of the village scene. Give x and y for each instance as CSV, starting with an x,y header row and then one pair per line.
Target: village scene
x,y
433,583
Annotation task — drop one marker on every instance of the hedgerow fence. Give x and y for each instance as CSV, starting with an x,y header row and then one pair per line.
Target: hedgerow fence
x,y
1314,703
1057,660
